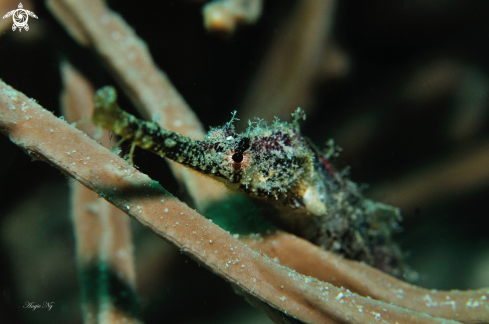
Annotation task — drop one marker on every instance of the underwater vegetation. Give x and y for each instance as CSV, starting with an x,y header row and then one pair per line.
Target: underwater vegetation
x,y
307,219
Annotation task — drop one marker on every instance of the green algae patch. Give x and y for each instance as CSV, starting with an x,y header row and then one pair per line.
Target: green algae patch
x,y
239,214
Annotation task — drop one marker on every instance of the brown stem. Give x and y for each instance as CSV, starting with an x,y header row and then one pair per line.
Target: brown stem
x,y
464,306
127,57
102,232
45,137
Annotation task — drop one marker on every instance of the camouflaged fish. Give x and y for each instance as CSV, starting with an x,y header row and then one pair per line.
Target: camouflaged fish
x,y
277,164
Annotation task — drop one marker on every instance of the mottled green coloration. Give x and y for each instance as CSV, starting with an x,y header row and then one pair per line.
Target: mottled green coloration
x,y
280,166
272,161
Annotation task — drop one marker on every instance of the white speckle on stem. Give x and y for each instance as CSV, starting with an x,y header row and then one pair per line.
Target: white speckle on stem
x,y
429,301
377,315
450,303
472,303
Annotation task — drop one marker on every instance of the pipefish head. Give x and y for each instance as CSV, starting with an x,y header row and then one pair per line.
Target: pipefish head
x,y
270,161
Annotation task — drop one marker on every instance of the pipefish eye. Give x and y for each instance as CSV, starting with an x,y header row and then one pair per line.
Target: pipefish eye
x,y
237,157
238,160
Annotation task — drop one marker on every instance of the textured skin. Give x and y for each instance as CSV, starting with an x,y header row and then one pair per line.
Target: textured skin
x,y
277,164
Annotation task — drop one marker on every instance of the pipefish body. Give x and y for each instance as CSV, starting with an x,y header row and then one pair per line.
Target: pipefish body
x,y
277,164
